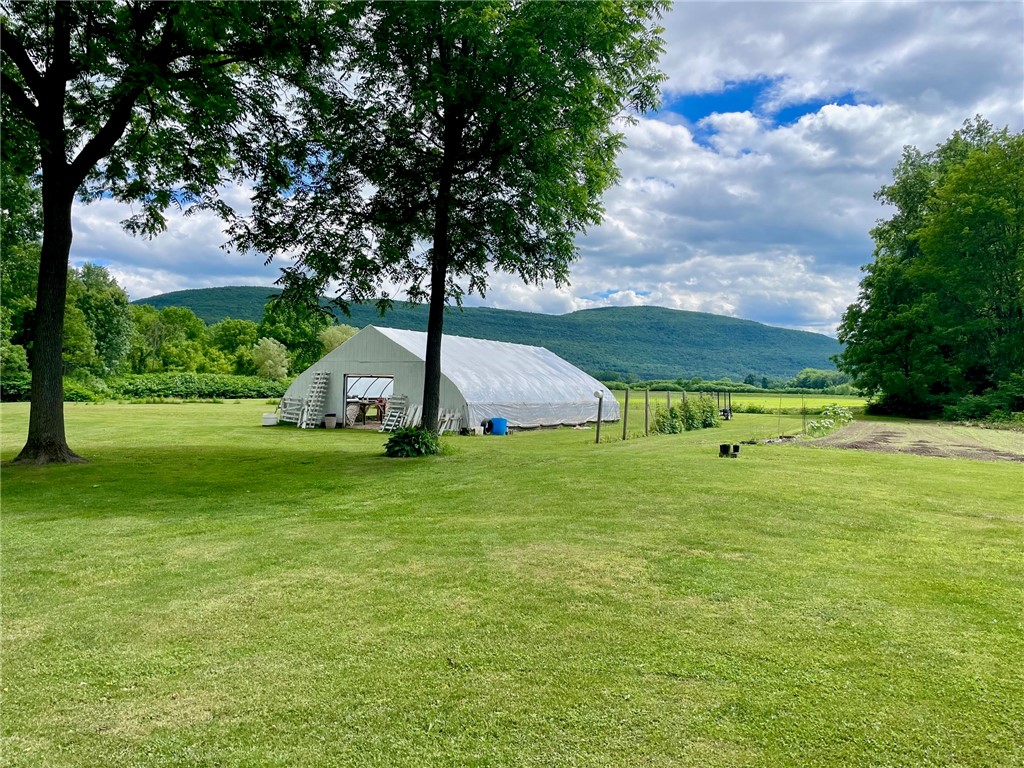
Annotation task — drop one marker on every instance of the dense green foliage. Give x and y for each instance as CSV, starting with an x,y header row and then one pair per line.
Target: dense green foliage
x,y
212,592
164,386
173,338
814,378
1004,402
15,376
195,385
106,340
270,357
336,335
644,342
20,231
298,328
940,316
236,339
408,442
97,331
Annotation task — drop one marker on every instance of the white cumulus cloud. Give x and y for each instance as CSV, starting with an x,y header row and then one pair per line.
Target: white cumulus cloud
x,y
759,210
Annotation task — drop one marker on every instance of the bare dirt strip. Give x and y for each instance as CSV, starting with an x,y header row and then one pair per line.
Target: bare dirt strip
x,y
929,438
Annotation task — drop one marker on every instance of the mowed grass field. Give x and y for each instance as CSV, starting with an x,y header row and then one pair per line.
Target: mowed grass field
x,y
210,592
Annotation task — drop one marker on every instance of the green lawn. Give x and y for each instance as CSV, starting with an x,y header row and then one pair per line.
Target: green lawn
x,y
211,592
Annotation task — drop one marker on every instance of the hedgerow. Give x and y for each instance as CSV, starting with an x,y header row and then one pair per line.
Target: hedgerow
x,y
195,385
155,387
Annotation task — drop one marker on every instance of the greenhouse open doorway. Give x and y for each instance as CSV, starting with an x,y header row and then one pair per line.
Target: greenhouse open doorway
x,y
366,397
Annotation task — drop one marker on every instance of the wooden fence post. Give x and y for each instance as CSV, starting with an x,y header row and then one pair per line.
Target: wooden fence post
x,y
600,404
647,412
625,415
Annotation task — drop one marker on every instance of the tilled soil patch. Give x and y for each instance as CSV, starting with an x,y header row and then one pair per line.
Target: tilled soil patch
x,y
927,438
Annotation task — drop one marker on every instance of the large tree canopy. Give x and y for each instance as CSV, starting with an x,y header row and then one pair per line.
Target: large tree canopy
x,y
940,315
477,137
148,102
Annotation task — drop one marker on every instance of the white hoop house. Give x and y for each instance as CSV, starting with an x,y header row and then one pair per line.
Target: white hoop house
x,y
480,380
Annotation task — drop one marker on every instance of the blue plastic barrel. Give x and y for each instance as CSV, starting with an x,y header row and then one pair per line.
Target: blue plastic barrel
x,y
499,426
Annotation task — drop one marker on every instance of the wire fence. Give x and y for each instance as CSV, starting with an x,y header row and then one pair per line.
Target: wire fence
x,y
639,410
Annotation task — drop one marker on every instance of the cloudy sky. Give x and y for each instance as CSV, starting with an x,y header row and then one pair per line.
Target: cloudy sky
x,y
750,192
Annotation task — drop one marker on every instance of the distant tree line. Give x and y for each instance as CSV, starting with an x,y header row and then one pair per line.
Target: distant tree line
x,y
809,380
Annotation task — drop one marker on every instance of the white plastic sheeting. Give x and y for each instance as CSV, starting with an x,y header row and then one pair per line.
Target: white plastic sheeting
x,y
480,379
528,386
370,387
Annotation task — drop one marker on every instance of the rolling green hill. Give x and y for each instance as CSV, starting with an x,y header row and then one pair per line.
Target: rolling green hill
x,y
651,342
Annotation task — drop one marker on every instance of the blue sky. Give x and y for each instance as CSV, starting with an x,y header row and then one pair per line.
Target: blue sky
x,y
750,193
754,96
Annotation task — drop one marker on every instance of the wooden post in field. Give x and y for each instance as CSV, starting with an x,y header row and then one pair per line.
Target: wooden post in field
x,y
647,412
668,399
600,405
625,415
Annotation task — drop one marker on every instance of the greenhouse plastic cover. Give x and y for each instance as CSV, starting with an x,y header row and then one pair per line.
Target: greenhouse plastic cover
x,y
529,386
370,387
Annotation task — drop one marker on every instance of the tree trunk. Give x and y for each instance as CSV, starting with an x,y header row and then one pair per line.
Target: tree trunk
x,y
438,295
46,439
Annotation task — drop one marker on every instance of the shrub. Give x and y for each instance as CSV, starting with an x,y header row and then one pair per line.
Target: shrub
x,y
412,441
970,408
997,403
832,417
91,382
1003,420
15,379
689,415
841,389
667,421
706,413
692,413
753,408
15,386
78,392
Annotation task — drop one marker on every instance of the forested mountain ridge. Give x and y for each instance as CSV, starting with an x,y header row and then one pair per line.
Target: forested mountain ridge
x,y
649,342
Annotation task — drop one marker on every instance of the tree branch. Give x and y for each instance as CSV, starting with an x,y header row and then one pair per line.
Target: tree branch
x,y
12,47
13,90
206,66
